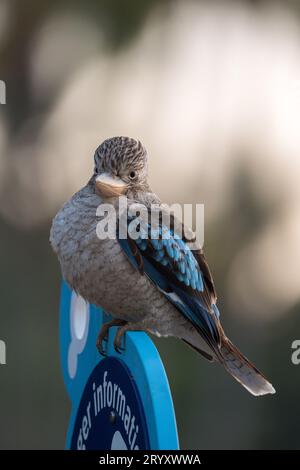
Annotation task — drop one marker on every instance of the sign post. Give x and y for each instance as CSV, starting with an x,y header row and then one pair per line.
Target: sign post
x,y
120,401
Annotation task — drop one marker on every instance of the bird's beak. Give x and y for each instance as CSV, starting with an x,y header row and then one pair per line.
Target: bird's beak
x,y
110,186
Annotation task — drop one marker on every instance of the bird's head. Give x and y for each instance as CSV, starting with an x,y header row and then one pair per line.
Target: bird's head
x,y
120,167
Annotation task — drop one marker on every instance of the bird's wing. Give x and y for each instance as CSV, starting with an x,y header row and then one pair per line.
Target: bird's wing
x,y
181,274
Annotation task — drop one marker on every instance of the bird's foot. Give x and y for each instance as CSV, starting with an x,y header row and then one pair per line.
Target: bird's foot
x,y
118,339
121,332
103,333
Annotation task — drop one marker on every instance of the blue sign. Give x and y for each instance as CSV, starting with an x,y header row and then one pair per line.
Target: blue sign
x,y
121,401
110,402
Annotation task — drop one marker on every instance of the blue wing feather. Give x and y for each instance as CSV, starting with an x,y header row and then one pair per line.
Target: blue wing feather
x,y
171,266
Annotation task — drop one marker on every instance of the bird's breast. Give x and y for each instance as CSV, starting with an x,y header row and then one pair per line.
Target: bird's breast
x,y
96,268
100,272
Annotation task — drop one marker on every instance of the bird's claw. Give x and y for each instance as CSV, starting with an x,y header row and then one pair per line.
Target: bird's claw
x,y
117,345
103,336
100,348
102,352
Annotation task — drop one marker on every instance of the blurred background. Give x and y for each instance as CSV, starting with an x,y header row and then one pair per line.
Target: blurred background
x,y
212,88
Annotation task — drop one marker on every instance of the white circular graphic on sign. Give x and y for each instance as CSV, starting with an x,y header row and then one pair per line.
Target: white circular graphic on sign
x,y
79,316
79,326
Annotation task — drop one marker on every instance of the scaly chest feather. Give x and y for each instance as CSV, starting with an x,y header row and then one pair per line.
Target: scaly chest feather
x,y
99,270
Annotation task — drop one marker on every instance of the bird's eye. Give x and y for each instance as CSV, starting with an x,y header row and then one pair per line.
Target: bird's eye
x,y
96,170
132,175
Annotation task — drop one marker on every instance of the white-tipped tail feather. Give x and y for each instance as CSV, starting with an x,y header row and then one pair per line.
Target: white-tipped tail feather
x,y
243,370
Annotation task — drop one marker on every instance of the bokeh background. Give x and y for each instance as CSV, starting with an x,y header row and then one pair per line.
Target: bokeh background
x,y
212,88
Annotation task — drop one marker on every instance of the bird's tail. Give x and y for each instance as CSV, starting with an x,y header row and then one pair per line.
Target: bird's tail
x,y
243,370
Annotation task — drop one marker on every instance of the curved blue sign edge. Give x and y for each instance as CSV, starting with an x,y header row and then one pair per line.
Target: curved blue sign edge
x,y
142,358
